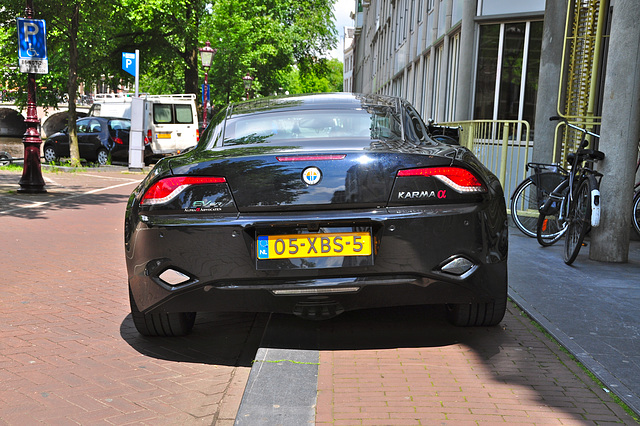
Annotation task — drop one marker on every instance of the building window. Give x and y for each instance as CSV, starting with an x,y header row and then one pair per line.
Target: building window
x,y
435,92
452,77
507,71
501,7
425,76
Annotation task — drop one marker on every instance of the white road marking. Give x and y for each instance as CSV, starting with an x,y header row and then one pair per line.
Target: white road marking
x,y
93,191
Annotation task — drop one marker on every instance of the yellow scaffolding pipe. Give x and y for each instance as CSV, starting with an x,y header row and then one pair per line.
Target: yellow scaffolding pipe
x,y
580,71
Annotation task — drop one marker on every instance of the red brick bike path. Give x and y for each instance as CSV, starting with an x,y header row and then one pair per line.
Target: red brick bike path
x,y
510,374
68,351
70,355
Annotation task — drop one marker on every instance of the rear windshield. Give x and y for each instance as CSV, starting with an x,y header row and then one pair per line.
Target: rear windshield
x,y
119,125
172,114
305,124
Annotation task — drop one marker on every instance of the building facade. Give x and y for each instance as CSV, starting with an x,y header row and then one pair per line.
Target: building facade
x,y
420,50
457,60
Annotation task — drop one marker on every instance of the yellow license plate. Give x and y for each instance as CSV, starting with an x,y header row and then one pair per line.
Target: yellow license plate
x,y
163,135
314,245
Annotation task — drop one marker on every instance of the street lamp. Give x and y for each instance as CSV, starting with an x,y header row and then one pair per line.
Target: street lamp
x,y
206,56
247,80
32,181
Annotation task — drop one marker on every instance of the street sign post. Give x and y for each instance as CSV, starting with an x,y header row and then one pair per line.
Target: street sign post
x,y
32,59
131,64
32,46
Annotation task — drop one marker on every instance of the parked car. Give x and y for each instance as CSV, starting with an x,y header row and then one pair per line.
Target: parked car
x,y
98,138
170,121
315,205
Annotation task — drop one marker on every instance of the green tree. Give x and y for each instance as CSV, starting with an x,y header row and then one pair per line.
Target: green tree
x,y
265,38
324,77
166,33
271,39
72,43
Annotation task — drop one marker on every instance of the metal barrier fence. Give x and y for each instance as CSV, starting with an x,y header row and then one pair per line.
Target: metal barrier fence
x,y
503,146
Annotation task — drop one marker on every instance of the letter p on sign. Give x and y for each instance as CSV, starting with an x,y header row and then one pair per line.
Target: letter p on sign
x,y
129,63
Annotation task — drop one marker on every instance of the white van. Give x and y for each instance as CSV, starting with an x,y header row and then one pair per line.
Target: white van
x,y
111,105
170,121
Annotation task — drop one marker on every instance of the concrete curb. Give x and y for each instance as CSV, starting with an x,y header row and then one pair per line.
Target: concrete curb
x,y
282,388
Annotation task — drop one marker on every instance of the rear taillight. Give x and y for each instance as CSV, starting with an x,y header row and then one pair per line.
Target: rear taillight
x,y
167,189
118,141
459,179
148,138
197,135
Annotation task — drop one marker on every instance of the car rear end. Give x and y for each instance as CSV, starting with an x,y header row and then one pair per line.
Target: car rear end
x,y
316,227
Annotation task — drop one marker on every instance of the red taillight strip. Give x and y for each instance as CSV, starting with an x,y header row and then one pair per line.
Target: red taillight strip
x,y
311,157
459,179
167,189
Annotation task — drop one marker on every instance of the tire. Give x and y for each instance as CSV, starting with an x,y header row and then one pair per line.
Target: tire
x,y
103,157
635,217
49,154
5,159
161,324
550,228
478,314
578,221
523,205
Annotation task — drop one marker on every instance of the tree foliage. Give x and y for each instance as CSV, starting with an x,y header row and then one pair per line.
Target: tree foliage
x,y
281,43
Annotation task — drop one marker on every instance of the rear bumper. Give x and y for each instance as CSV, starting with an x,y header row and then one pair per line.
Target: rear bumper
x,y
218,260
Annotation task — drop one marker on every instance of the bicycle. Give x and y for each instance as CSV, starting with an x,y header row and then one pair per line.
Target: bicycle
x,y
575,202
554,227
531,193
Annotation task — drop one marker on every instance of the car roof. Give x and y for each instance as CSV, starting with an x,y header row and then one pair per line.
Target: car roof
x,y
103,118
315,101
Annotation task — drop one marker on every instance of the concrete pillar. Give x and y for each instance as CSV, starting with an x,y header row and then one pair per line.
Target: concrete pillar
x,y
464,109
555,15
619,134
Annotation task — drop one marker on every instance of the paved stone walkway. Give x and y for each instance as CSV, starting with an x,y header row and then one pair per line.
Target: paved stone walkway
x,y
69,353
511,374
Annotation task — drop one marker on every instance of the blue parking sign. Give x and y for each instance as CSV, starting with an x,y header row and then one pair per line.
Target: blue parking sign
x,y
32,46
129,62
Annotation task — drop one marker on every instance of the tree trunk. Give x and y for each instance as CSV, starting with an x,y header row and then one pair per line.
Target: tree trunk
x,y
191,47
191,73
72,87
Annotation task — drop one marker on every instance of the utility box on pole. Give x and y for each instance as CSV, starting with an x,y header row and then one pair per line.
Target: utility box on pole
x,y
136,141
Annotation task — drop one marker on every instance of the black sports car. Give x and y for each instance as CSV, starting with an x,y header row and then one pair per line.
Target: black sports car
x,y
313,205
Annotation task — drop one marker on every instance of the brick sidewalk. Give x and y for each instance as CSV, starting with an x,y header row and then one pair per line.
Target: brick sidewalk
x,y
508,374
68,351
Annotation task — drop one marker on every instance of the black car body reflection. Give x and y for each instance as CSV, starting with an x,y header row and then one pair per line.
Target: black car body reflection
x,y
99,138
314,205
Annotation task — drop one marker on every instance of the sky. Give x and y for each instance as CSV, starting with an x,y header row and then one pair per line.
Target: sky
x,y
342,9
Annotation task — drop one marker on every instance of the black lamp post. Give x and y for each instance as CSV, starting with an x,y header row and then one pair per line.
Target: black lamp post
x,y
247,80
206,56
31,181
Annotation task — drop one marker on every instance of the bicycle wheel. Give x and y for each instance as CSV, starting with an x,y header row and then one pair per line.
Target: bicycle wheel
x,y
636,212
550,229
524,207
578,221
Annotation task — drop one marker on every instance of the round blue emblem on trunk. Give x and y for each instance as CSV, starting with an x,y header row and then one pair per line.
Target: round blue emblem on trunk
x,y
311,175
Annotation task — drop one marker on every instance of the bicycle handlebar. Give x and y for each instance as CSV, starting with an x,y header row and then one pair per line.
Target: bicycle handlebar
x,y
573,126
